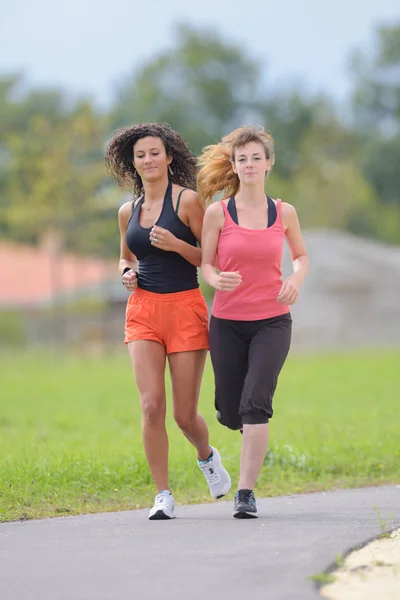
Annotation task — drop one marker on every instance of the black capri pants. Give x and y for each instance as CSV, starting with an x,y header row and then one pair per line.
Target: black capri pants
x,y
247,357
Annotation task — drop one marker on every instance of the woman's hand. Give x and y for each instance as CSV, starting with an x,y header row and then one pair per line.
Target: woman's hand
x,y
129,280
227,281
163,239
290,290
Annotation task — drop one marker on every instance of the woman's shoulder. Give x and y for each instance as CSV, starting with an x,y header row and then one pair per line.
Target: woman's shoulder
x,y
187,196
287,209
125,211
214,215
285,206
289,214
216,208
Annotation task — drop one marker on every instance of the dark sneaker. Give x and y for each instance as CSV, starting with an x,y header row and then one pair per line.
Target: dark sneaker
x,y
245,506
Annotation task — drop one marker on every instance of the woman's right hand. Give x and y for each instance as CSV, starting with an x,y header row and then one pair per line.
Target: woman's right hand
x,y
129,280
227,281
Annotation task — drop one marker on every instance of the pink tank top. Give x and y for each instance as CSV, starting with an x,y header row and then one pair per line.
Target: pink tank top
x,y
257,255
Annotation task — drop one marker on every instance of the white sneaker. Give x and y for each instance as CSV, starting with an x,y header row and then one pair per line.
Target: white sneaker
x,y
217,476
164,507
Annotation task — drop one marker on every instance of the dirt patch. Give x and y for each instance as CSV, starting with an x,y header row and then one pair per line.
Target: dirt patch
x,y
371,573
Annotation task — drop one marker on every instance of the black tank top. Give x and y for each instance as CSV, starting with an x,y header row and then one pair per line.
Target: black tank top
x,y
161,271
271,211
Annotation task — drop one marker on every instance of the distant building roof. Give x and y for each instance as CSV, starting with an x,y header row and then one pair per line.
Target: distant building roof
x,y
32,275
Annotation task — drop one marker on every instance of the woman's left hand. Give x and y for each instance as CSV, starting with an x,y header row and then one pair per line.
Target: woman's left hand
x,y
163,239
289,292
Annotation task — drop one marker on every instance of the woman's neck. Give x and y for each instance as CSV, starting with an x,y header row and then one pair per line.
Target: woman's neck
x,y
154,190
252,196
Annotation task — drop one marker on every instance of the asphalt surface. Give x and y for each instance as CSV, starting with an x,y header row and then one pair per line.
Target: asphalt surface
x,y
204,554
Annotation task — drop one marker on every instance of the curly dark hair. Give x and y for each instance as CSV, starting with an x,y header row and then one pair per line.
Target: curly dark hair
x,y
119,156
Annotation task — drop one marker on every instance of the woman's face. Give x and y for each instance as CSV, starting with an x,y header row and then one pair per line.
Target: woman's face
x,y
150,158
250,163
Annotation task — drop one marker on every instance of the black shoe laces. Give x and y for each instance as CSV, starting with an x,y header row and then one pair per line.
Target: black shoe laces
x,y
246,496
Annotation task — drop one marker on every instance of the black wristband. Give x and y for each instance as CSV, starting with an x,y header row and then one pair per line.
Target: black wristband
x,y
128,269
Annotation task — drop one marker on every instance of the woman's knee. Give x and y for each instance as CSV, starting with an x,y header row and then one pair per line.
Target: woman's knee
x,y
185,420
153,408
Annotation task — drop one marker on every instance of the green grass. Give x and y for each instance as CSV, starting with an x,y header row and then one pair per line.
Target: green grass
x,y
322,578
70,433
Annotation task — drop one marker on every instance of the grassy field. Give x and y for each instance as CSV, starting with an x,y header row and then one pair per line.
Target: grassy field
x,y
70,433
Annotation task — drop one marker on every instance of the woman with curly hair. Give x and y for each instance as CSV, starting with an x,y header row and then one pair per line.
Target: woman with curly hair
x,y
250,327
166,315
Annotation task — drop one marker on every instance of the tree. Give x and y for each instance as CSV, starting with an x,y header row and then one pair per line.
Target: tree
x,y
376,104
18,105
376,98
328,188
203,88
56,177
289,116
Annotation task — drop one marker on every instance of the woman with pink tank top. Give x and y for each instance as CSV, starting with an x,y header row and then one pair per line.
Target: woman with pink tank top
x,y
250,327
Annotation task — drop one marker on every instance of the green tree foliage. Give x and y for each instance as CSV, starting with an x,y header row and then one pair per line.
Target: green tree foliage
x,y
18,105
56,176
289,116
328,188
342,175
376,103
203,87
376,96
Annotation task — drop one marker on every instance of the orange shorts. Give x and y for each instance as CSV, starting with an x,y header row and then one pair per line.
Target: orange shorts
x,y
178,321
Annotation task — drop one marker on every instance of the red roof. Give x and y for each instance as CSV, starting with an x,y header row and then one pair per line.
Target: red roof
x,y
33,275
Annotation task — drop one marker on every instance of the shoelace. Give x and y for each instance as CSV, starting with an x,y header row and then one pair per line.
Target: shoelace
x,y
246,496
212,475
161,498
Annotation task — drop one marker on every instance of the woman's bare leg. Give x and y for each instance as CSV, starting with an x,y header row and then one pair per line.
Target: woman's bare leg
x,y
148,361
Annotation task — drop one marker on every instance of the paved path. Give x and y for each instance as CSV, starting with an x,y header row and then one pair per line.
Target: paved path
x,y
204,554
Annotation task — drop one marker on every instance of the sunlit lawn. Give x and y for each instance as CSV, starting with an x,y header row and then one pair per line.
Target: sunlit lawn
x,y
70,432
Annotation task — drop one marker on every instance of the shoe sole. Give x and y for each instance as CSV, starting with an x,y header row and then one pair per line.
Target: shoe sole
x,y
242,514
160,516
221,495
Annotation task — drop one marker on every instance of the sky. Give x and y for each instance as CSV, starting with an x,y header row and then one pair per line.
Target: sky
x,y
88,47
